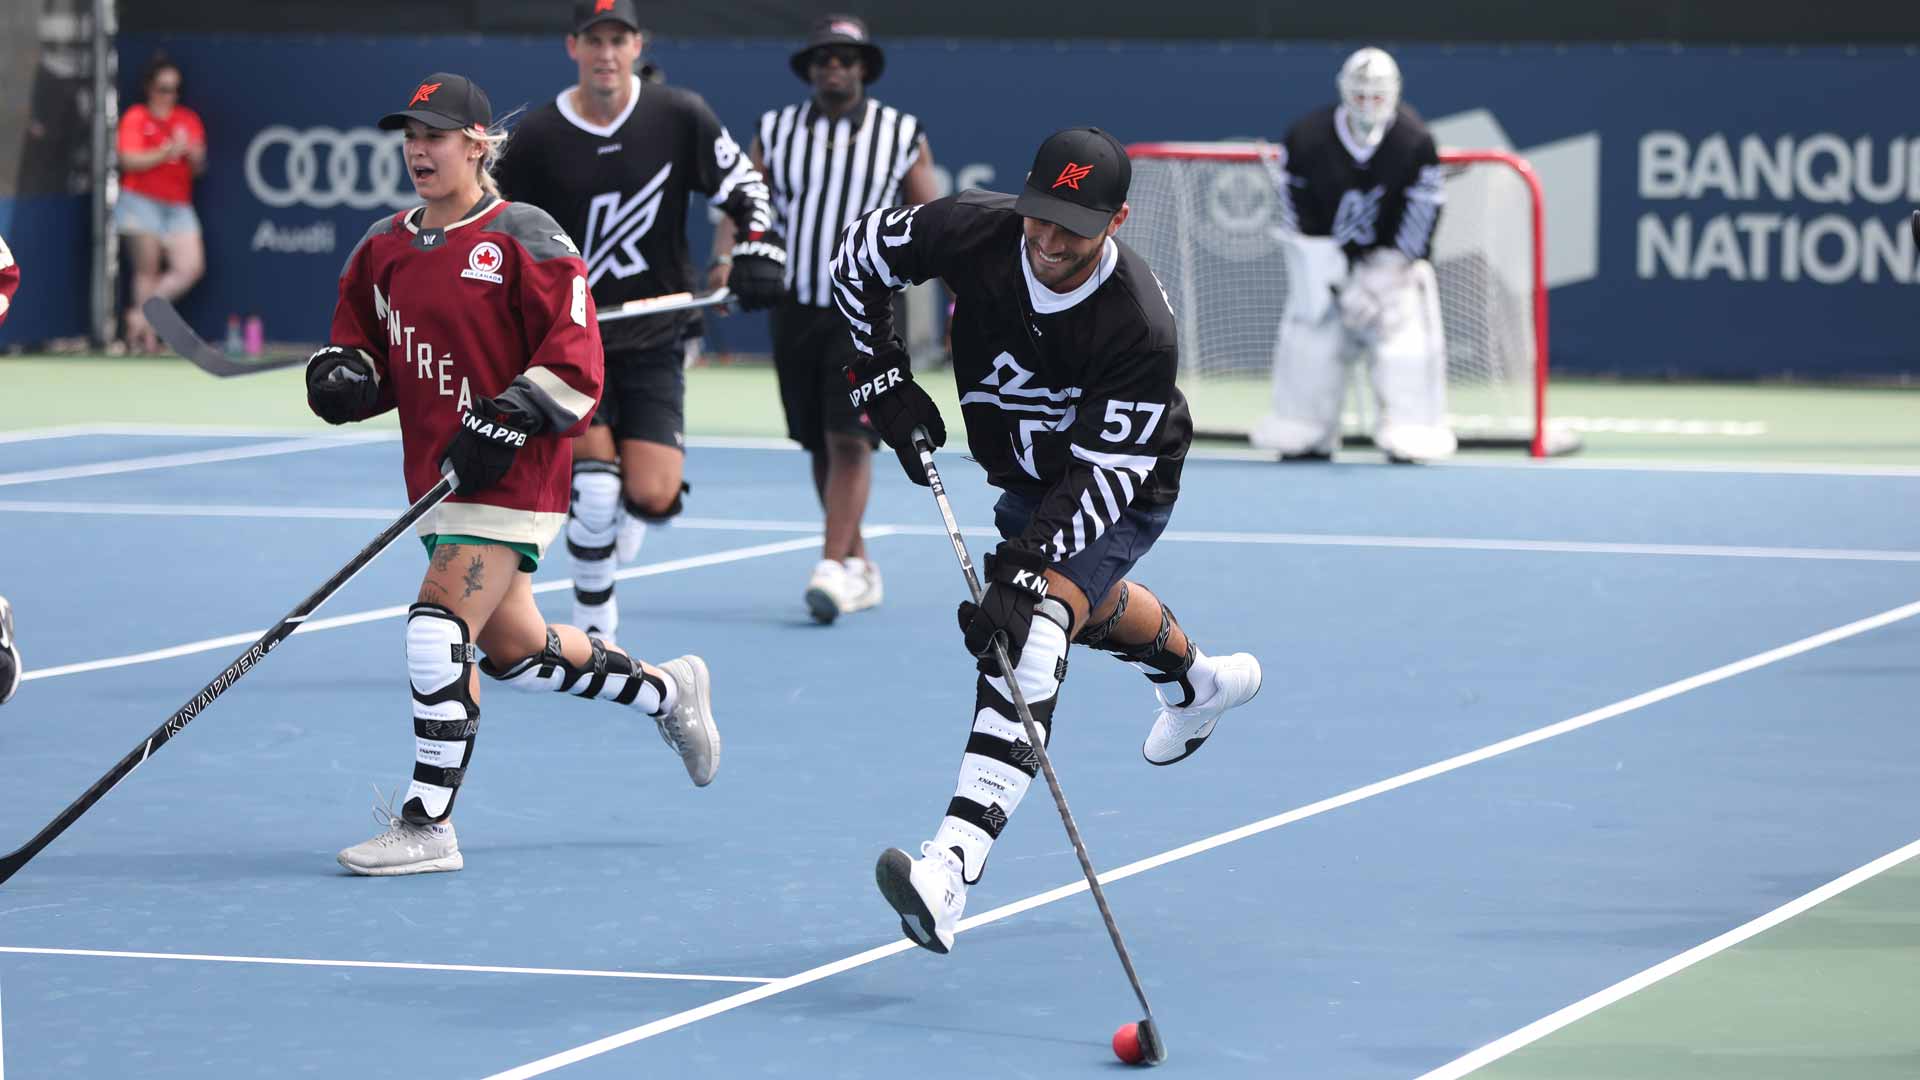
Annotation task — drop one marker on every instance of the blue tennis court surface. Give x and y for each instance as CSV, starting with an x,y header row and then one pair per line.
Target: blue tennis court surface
x,y
1383,908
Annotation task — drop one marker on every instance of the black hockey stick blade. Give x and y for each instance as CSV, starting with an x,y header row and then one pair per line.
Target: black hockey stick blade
x,y
166,321
11,863
1914,224
1152,1050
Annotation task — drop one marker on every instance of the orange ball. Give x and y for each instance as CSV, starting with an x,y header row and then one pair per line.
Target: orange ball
x,y
1126,1044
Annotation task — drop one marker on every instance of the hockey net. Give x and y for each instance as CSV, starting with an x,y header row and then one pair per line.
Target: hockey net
x,y
1205,217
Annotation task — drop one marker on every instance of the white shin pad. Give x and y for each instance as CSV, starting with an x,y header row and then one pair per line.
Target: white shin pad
x,y
440,658
1000,762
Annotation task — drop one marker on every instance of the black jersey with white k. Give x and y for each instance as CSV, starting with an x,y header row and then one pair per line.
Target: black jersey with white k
x,y
621,192
1069,397
1365,198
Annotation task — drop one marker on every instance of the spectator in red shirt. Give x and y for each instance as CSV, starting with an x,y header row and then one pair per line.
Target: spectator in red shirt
x,y
162,148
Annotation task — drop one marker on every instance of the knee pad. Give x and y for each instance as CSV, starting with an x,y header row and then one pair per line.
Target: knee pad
x,y
639,513
606,674
593,511
1161,665
440,659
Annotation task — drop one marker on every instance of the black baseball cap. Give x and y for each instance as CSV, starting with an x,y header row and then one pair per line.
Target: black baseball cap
x,y
588,12
445,101
840,30
1079,181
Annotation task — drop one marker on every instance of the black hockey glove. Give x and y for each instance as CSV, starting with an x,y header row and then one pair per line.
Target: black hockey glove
x,y
342,386
883,386
758,278
1016,582
482,451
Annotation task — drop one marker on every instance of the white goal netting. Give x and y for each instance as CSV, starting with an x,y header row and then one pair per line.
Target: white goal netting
x,y
1205,217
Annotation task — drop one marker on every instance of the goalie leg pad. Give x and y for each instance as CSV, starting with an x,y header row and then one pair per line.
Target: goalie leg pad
x,y
607,675
440,659
1409,372
1309,386
1000,762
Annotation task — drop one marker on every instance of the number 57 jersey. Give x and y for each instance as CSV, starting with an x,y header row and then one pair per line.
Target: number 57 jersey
x,y
1068,397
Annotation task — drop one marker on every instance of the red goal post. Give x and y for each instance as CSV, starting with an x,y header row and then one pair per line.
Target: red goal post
x,y
1203,217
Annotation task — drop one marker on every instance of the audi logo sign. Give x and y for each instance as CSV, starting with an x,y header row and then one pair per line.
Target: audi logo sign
x,y
322,167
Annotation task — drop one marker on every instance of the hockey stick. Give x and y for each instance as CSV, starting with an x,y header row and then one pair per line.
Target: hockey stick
x,y
11,863
660,305
1914,224
166,321
1152,1050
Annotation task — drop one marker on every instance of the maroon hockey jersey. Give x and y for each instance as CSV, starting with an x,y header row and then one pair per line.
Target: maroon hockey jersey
x,y
493,303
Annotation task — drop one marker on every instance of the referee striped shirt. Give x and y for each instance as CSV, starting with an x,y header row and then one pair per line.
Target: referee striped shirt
x,y
825,173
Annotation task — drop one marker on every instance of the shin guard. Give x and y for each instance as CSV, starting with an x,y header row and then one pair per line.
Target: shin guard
x,y
440,658
609,675
1170,671
592,527
1000,762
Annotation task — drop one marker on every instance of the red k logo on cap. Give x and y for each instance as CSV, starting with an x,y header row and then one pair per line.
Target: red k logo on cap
x,y
602,5
426,91
1072,175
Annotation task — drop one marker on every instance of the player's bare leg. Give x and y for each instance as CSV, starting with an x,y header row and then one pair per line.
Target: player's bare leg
x,y
845,580
1194,689
463,586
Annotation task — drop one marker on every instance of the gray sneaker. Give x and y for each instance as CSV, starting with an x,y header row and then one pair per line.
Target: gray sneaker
x,y
689,727
404,848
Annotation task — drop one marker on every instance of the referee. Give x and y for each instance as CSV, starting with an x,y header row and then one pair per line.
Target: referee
x,y
836,156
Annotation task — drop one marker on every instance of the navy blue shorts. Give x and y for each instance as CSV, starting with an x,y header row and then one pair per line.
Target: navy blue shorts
x,y
1101,566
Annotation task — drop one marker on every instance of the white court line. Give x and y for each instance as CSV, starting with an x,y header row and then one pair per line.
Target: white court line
x,y
373,615
167,461
1381,787
1633,984
1433,543
291,961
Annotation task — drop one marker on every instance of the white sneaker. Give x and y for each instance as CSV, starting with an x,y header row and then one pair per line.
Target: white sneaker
x,y
864,576
689,728
830,591
404,848
1178,732
10,662
928,892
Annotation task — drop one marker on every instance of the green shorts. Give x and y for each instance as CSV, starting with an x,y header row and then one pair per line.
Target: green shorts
x,y
529,555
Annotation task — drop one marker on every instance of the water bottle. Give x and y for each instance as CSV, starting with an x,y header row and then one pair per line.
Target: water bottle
x,y
235,344
256,335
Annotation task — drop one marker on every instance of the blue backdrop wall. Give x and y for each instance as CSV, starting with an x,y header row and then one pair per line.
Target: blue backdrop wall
x,y
1713,212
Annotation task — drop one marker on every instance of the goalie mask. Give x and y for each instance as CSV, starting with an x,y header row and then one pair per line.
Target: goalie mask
x,y
1370,90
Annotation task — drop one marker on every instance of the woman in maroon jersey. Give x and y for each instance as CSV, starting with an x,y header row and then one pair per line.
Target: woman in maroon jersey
x,y
471,317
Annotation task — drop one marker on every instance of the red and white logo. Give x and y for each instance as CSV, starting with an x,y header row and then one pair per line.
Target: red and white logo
x,y
1072,175
483,262
423,93
847,29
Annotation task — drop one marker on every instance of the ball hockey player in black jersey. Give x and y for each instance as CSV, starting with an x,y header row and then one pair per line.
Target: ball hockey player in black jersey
x,y
1360,189
614,159
1064,352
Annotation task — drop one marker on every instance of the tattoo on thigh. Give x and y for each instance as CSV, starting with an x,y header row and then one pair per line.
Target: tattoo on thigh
x,y
431,593
443,556
473,580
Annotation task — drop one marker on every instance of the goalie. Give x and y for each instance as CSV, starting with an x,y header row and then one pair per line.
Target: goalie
x,y
1360,193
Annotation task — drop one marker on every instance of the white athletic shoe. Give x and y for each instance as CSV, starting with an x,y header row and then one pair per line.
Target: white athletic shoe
x,y
689,728
9,653
868,589
404,848
1178,732
928,892
831,592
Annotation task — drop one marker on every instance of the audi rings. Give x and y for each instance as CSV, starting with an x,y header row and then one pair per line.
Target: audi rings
x,y
360,168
